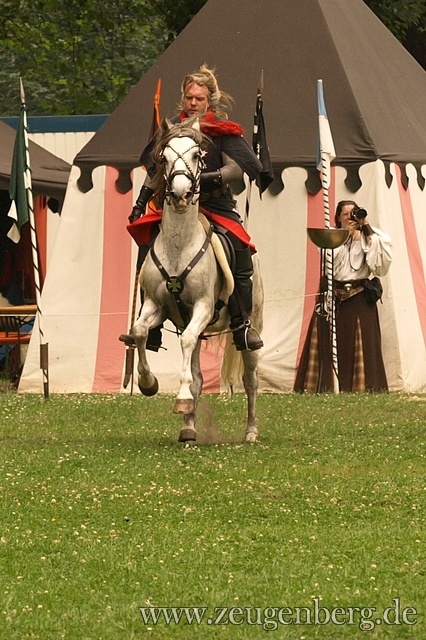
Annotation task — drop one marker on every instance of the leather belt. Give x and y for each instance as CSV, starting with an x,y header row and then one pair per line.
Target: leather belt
x,y
348,284
345,290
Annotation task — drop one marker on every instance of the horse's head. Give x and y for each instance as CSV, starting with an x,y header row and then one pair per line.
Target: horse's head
x,y
179,152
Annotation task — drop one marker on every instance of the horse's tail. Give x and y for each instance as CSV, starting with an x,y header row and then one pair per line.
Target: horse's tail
x,y
232,363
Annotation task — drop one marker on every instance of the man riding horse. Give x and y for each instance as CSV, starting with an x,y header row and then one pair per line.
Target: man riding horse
x,y
226,158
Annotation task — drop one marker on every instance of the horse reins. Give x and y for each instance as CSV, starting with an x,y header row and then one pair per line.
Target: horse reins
x,y
176,284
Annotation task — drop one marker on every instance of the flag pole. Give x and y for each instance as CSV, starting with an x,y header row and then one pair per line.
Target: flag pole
x,y
260,148
326,155
255,145
255,149
44,352
130,350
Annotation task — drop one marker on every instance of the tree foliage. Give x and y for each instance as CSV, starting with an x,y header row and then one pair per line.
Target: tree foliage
x,y
75,56
176,14
407,21
400,15
83,56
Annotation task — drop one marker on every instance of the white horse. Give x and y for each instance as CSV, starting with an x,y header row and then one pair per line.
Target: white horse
x,y
182,281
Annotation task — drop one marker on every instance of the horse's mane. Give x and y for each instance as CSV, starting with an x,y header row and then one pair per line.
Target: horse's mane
x,y
167,132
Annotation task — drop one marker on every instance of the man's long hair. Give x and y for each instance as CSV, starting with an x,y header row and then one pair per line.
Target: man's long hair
x,y
219,101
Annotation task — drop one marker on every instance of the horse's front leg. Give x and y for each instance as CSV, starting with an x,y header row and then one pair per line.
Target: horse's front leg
x,y
188,431
150,316
250,381
202,313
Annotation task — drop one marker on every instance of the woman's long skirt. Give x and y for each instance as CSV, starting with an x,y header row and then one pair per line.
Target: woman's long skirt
x,y
359,352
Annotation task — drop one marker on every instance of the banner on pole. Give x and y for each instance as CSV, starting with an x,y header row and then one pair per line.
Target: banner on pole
x,y
20,182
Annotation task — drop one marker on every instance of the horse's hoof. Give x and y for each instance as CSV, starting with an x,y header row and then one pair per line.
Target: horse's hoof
x,y
251,437
184,406
187,435
148,391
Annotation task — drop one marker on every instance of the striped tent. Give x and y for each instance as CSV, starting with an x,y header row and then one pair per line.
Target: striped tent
x,y
49,182
375,94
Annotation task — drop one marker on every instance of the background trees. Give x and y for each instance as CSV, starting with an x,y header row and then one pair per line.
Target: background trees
x,y
82,56
407,21
76,56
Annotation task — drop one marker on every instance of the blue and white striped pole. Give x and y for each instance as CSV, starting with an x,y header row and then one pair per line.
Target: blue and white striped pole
x,y
327,153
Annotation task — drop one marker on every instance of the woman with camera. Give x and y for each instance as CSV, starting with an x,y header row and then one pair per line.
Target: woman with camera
x,y
364,256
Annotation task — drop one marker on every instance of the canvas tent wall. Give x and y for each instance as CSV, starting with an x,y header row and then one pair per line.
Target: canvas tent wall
x,y
49,181
49,172
375,94
64,136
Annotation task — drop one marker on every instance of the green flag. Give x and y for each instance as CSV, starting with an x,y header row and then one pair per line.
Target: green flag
x,y
20,182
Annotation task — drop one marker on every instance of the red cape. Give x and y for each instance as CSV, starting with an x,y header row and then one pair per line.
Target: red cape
x,y
213,126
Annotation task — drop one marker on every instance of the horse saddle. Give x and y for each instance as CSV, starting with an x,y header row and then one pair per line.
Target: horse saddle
x,y
227,246
225,256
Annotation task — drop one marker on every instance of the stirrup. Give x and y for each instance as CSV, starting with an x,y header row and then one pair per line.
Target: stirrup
x,y
153,342
247,338
128,340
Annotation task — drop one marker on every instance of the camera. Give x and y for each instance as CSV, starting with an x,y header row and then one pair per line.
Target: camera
x,y
358,214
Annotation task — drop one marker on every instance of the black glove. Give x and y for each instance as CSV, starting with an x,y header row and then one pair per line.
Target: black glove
x,y
144,197
210,180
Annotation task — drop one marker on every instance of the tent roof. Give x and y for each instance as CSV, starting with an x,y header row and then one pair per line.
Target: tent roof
x,y
374,90
49,173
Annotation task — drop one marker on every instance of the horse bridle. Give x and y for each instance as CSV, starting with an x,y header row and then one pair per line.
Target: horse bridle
x,y
194,178
175,284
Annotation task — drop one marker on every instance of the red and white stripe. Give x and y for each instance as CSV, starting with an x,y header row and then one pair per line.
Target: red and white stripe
x,y
88,291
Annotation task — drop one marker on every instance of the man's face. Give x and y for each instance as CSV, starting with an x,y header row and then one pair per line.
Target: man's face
x,y
196,99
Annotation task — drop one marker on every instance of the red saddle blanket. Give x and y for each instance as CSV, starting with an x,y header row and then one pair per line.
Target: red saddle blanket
x,y
143,230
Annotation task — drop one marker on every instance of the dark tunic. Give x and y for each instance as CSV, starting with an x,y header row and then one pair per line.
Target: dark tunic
x,y
220,206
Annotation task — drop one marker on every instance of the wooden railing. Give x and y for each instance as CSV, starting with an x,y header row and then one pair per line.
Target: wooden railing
x,y
12,321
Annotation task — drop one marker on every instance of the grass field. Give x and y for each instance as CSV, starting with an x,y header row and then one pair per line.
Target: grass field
x,y
103,513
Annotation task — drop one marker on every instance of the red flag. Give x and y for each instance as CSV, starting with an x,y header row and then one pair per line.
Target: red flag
x,y
156,114
155,125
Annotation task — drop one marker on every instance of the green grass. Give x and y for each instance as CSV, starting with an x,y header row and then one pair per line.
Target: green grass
x,y
102,512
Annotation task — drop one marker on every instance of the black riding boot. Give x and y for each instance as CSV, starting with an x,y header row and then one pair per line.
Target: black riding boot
x,y
154,340
240,304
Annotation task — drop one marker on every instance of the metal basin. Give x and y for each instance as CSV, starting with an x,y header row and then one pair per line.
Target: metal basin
x,y
328,238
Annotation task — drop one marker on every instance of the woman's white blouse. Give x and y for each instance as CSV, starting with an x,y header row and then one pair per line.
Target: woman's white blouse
x,y
358,259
